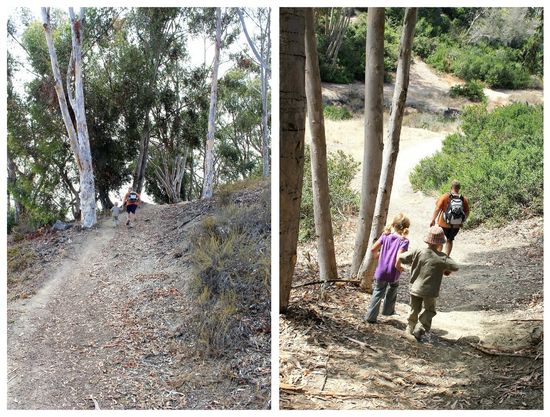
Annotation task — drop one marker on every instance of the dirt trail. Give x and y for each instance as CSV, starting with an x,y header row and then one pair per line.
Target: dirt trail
x,y
331,358
104,328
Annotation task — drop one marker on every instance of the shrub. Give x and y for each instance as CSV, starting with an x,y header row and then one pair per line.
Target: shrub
x,y
472,90
498,158
344,201
336,113
231,262
498,67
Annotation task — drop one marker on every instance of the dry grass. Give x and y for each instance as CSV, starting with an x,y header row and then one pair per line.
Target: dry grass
x,y
230,256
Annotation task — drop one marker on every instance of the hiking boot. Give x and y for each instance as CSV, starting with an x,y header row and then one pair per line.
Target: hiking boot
x,y
418,333
128,222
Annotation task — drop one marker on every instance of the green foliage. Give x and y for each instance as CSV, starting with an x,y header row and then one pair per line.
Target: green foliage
x,y
498,158
344,201
350,65
336,113
472,90
231,263
11,220
496,67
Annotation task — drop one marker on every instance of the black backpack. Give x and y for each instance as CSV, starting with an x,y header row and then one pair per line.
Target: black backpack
x,y
454,214
132,197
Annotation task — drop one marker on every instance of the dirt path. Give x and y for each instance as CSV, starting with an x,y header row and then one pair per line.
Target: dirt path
x,y
103,330
331,358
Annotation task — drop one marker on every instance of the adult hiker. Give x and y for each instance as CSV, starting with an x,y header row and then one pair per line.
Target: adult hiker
x,y
131,200
451,211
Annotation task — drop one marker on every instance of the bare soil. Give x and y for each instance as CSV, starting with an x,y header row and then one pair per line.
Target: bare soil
x,y
98,323
485,350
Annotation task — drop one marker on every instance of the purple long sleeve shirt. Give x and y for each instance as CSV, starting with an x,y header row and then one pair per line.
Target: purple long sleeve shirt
x,y
391,244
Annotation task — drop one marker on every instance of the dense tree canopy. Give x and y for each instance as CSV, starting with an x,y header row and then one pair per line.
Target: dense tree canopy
x,y
146,103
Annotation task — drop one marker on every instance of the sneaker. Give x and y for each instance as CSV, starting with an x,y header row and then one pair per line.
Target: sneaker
x,y
127,222
418,333
369,321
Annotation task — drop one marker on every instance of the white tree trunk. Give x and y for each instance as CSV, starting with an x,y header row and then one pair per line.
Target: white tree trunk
x,y
209,158
319,172
374,132
291,143
78,136
366,271
262,56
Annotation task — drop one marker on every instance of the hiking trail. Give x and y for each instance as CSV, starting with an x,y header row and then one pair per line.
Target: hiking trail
x,y
101,327
485,350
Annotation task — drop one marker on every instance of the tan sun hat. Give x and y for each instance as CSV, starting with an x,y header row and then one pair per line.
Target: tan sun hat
x,y
435,236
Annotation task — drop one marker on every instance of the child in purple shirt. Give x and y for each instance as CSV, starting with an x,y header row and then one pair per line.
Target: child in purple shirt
x,y
389,268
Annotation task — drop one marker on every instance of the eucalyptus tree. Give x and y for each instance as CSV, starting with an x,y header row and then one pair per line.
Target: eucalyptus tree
x,y
240,141
291,143
208,184
373,130
261,49
77,129
155,36
319,171
366,271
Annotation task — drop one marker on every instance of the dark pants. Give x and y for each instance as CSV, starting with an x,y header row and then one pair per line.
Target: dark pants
x,y
382,290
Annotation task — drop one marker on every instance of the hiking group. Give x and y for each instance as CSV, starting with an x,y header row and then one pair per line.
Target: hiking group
x,y
132,200
427,265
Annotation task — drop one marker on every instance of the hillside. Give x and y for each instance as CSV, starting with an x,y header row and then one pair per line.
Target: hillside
x,y
486,348
96,319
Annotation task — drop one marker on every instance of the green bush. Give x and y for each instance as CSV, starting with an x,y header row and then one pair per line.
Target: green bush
x,y
472,90
498,67
344,201
336,113
498,158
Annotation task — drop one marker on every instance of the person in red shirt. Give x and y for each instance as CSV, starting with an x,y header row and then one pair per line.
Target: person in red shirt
x,y
132,200
451,223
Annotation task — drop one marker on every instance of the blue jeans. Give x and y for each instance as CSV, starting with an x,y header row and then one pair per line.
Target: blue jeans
x,y
382,290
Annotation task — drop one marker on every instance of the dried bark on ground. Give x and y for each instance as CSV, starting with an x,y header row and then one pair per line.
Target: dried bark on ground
x,y
102,329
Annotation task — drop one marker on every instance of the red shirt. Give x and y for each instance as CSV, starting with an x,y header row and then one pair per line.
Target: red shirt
x,y
132,203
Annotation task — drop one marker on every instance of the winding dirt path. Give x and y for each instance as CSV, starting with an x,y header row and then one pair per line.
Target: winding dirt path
x,y
99,333
330,358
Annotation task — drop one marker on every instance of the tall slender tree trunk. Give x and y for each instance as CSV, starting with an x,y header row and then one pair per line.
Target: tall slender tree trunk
x,y
141,165
291,143
209,158
12,183
366,271
78,135
374,132
319,172
262,56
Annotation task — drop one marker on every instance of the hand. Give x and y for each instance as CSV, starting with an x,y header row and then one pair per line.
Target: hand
x,y
399,268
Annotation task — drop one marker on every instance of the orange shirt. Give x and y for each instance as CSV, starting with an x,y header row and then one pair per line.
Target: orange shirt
x,y
442,204
131,203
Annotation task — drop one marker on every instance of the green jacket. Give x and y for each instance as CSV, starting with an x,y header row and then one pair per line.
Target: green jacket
x,y
427,267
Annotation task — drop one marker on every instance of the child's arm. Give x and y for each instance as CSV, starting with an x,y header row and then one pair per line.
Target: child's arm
x,y
450,266
377,245
406,258
398,265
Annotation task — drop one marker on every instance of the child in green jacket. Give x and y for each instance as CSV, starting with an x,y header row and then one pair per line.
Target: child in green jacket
x,y
428,266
